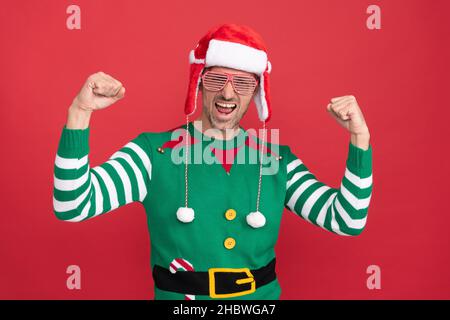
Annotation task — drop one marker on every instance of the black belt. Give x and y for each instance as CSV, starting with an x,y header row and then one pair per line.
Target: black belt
x,y
216,282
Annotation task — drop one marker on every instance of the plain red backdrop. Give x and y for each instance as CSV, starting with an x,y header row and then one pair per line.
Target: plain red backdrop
x,y
318,49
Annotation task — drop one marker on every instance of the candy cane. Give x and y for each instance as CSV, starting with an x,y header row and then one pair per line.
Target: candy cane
x,y
179,263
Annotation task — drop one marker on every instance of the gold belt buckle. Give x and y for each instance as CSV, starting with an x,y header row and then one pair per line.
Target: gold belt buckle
x,y
212,282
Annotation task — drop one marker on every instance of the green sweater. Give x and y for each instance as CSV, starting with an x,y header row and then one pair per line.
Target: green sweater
x,y
146,170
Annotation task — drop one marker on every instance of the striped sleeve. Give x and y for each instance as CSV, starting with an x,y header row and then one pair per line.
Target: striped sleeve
x,y
342,211
81,192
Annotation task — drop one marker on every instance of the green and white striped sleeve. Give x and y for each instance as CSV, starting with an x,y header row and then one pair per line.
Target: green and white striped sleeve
x,y
81,192
342,211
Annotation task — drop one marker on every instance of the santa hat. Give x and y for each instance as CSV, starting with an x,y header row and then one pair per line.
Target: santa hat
x,y
237,47
231,46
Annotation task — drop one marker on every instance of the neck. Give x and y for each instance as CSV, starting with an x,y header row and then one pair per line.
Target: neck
x,y
203,125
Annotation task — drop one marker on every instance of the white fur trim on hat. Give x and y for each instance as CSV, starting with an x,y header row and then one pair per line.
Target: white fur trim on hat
x,y
235,55
260,100
192,58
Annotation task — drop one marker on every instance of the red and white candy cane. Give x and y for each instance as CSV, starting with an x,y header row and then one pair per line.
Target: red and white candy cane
x,y
179,263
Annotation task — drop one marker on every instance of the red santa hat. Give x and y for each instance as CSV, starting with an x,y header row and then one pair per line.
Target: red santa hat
x,y
231,46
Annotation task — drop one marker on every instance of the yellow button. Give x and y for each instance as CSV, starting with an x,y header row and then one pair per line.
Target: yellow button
x,y
229,243
230,214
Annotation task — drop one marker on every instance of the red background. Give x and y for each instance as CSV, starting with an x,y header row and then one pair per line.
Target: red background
x,y
318,49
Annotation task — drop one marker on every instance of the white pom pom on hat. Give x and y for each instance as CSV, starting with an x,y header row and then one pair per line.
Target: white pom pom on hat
x,y
185,215
256,219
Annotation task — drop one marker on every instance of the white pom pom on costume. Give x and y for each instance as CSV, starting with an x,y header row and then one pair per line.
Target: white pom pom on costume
x,y
185,214
256,219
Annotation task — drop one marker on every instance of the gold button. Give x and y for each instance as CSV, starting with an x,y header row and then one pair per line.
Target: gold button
x,y
230,214
229,243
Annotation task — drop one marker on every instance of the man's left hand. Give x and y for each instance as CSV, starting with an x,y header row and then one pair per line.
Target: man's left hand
x,y
348,114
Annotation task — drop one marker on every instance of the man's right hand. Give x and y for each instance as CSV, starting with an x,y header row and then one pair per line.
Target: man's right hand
x,y
98,92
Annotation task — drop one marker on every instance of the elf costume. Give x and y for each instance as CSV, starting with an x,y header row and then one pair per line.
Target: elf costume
x,y
213,221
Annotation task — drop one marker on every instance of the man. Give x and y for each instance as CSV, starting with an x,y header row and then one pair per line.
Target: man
x,y
213,225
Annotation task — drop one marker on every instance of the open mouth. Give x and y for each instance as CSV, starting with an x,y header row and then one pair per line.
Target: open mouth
x,y
225,108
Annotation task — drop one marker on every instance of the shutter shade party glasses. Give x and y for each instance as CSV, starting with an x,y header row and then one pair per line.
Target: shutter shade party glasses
x,y
242,84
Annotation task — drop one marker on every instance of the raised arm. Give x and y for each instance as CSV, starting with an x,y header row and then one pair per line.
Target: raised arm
x,y
81,192
342,211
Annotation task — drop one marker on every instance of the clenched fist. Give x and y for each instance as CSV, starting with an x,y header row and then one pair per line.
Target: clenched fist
x,y
346,111
99,91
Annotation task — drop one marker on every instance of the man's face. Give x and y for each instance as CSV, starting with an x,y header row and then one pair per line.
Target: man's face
x,y
215,101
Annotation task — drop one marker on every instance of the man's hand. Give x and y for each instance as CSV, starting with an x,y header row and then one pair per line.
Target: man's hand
x,y
98,92
348,114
